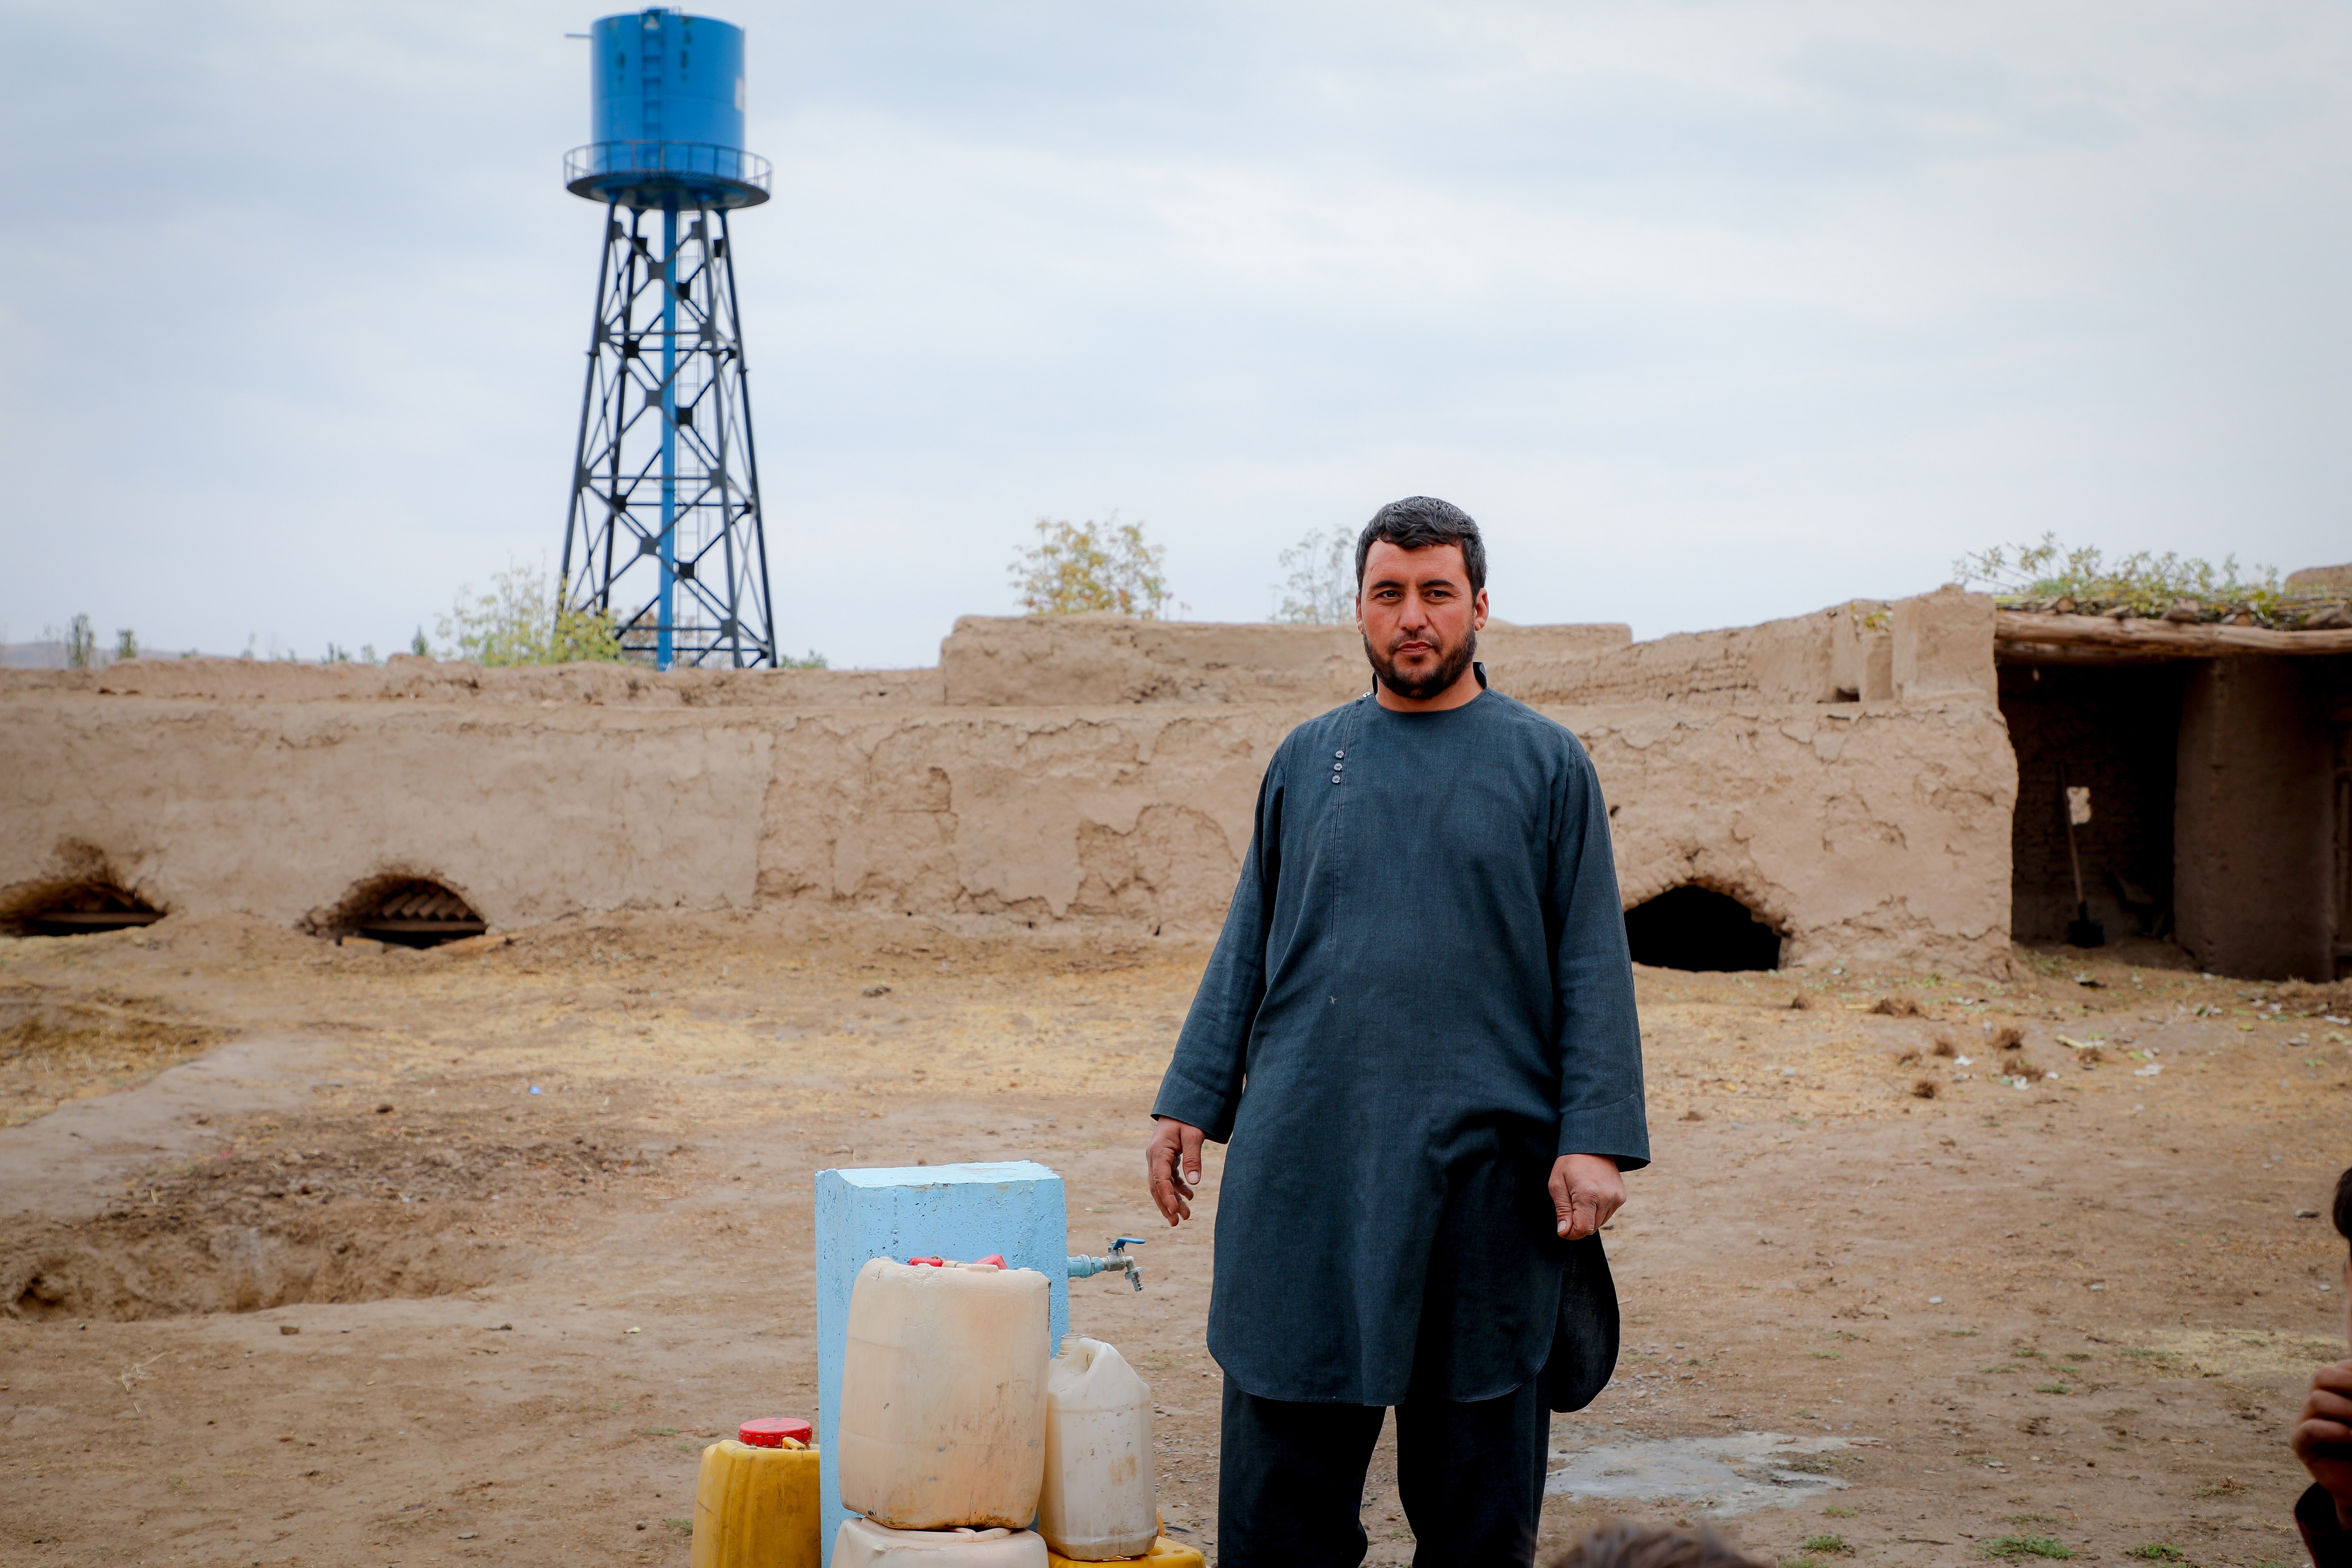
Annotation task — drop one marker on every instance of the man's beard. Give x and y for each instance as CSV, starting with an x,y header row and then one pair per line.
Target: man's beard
x,y
1451,663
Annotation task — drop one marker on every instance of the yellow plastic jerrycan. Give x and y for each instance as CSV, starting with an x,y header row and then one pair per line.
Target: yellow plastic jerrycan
x,y
755,1502
1164,1553
943,1395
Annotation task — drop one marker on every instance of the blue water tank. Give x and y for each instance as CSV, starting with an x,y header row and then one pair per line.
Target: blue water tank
x,y
666,94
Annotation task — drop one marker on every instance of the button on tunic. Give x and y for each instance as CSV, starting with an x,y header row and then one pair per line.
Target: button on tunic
x,y
1421,997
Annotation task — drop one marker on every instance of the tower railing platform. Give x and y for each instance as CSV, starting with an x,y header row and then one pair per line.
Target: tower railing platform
x,y
653,174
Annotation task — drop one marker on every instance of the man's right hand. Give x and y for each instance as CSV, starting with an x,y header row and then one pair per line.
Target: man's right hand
x,y
1171,1163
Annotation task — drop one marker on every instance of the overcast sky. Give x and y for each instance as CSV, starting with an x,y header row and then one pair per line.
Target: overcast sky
x,y
1710,313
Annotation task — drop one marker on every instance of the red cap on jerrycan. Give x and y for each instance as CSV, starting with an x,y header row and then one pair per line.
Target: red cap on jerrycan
x,y
769,1432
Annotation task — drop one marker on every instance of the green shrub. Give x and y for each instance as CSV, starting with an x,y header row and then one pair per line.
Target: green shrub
x,y
1322,582
2052,576
524,621
1091,566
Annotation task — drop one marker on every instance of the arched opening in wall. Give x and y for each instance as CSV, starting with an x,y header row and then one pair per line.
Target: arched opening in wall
x,y
408,912
1697,928
78,909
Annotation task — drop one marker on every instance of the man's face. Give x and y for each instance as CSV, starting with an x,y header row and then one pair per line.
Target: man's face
x,y
1419,618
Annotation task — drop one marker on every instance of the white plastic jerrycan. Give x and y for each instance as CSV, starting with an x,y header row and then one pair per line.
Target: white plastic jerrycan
x,y
862,1543
1098,1500
943,1395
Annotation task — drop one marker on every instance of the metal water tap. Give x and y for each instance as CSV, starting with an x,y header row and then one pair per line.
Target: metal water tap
x,y
1119,1261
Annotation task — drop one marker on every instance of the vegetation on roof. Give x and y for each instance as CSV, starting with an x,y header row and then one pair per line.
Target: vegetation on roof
x,y
2080,580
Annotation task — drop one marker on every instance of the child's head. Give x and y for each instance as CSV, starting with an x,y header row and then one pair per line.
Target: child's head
x,y
1620,1545
2343,1229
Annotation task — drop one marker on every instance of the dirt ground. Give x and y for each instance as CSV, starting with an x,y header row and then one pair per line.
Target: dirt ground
x,y
317,1254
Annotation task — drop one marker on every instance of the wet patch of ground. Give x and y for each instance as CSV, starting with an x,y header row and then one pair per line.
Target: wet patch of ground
x,y
1714,1476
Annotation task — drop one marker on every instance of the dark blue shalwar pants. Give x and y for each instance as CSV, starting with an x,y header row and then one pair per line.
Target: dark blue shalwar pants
x,y
1291,1481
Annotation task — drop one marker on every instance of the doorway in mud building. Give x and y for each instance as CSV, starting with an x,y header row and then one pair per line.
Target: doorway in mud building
x,y
2114,731
2219,800
82,908
403,911
1697,928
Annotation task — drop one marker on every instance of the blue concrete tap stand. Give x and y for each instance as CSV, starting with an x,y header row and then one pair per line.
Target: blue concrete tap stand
x,y
1016,1207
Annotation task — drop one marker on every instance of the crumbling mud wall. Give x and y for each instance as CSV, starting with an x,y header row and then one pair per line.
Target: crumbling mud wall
x,y
1086,660
1845,776
1864,833
276,808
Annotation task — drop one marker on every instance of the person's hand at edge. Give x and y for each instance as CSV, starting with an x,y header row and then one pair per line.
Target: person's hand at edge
x,y
1171,1163
1586,1189
2323,1436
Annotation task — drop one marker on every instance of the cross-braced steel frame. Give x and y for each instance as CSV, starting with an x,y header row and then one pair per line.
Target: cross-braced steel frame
x,y
664,533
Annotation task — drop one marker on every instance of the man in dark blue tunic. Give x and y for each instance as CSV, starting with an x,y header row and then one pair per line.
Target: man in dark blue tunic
x,y
1417,1036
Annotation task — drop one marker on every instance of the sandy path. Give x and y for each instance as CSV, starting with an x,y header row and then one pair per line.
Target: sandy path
x,y
2128,1303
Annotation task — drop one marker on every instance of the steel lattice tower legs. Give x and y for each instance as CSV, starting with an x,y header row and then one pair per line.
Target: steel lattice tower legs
x,y
664,533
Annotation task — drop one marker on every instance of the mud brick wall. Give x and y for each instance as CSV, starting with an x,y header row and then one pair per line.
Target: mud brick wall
x,y
1087,770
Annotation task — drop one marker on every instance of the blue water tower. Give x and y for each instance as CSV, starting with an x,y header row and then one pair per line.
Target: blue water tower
x,y
665,534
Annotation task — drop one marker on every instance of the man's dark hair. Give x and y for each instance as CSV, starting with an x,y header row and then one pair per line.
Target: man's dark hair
x,y
2344,1205
1417,523
1621,1545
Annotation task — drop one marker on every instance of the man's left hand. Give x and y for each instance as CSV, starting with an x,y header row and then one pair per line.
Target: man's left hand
x,y
1586,1189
